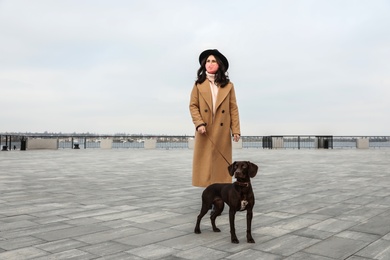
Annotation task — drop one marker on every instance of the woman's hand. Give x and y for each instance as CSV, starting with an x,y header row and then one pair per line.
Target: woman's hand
x,y
236,137
202,129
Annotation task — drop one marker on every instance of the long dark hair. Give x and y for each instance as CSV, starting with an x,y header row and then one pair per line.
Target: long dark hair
x,y
221,77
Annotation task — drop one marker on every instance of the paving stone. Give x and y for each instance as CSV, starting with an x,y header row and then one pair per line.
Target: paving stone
x,y
362,200
380,249
299,209
10,219
83,221
306,256
11,244
106,248
336,247
276,215
294,223
254,254
120,256
66,209
336,209
61,245
313,233
22,253
50,219
361,214
379,225
201,252
386,213
194,240
386,237
287,245
153,251
271,231
70,254
118,223
13,210
333,225
110,234
90,213
182,218
119,215
150,237
70,232
17,225
34,230
152,217
314,216
358,258
153,225
358,236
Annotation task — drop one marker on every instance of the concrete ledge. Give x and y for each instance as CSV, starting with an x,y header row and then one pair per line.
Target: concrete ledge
x,y
150,144
237,145
277,142
42,144
191,143
106,143
362,143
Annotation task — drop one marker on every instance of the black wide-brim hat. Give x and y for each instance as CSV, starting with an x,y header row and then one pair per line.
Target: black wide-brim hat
x,y
214,52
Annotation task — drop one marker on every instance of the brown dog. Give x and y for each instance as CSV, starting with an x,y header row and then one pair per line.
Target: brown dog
x,y
238,195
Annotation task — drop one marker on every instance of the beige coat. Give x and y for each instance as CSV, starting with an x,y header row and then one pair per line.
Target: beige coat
x,y
208,164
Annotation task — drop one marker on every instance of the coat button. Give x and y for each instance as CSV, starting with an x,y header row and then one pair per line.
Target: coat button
x,y
221,124
205,110
223,111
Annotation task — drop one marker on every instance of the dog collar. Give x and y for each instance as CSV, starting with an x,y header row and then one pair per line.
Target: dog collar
x,y
243,184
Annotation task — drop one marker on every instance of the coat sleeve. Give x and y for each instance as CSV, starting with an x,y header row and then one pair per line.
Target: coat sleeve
x,y
235,119
194,107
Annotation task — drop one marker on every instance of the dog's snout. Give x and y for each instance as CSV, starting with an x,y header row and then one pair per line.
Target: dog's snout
x,y
238,173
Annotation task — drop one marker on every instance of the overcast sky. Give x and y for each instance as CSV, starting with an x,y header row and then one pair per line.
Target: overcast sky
x,y
300,67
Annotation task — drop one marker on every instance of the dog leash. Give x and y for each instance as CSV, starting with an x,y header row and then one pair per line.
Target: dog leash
x,y
216,148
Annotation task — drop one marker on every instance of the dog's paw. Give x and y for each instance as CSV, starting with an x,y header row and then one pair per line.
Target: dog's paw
x,y
235,241
216,230
251,240
197,231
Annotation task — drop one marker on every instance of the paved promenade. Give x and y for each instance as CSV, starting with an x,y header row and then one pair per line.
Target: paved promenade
x,y
139,204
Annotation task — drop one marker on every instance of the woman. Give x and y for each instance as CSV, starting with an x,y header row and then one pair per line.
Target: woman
x,y
214,112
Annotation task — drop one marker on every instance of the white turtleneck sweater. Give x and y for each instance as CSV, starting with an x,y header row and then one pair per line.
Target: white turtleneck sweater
x,y
214,89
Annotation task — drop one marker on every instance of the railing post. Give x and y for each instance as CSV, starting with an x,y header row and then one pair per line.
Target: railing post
x,y
299,142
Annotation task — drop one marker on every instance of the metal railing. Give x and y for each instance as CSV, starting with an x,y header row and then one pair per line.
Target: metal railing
x,y
18,142
313,142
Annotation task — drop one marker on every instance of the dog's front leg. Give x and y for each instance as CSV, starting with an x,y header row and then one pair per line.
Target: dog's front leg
x,y
249,216
232,214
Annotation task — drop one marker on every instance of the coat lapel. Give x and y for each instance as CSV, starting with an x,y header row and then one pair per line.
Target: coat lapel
x,y
205,93
222,93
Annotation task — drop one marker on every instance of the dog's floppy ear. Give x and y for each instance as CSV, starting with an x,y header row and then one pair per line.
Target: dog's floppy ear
x,y
231,168
252,169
